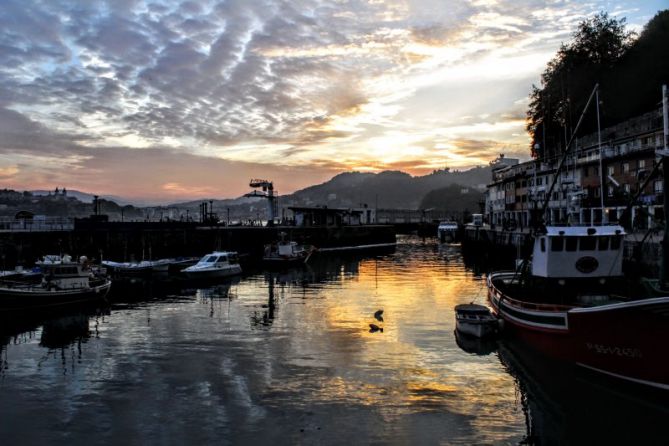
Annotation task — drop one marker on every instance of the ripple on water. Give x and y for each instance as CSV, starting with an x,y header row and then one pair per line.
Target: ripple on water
x,y
286,357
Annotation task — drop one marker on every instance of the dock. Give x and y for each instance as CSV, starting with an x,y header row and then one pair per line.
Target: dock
x,y
127,241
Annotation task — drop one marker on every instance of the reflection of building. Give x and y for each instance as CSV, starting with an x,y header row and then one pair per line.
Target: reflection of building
x,y
628,157
324,216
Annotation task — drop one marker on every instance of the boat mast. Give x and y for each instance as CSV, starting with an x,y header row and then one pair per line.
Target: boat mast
x,y
601,162
664,271
565,155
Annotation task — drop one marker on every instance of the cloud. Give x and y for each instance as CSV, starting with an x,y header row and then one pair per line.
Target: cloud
x,y
272,83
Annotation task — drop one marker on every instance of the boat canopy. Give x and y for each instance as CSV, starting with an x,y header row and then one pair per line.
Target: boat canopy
x,y
578,252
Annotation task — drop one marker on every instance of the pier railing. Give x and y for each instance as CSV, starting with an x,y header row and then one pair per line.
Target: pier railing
x,y
47,224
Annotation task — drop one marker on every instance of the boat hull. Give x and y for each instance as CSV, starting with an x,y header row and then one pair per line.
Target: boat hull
x,y
211,273
624,340
477,329
15,299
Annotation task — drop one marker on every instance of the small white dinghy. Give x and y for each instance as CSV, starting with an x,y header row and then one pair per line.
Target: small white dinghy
x,y
475,320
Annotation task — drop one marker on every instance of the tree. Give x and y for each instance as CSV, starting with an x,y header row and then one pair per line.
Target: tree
x,y
597,45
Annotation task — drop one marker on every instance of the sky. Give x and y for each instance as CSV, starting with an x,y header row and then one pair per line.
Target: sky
x,y
176,100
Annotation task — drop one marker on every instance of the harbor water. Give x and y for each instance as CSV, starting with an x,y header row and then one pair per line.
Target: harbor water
x,y
289,357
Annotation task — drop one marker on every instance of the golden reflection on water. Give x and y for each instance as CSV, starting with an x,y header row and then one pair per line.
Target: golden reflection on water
x,y
273,346
413,366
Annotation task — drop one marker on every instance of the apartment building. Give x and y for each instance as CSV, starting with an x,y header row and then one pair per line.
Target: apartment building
x,y
594,185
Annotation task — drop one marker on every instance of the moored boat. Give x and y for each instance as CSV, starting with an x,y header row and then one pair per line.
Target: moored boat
x,y
447,231
63,283
575,304
145,267
216,264
286,252
475,320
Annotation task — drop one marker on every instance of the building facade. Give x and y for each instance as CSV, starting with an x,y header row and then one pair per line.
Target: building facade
x,y
596,184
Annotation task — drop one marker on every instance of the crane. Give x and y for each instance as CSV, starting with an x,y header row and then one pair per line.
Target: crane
x,y
267,193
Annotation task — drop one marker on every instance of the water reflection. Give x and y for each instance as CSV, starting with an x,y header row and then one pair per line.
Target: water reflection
x,y
283,356
568,405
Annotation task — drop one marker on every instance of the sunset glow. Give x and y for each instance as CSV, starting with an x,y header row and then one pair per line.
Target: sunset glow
x,y
182,99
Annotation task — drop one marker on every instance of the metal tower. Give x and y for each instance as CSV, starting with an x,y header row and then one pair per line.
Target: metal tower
x,y
268,193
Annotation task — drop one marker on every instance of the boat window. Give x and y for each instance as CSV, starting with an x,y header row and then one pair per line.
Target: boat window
x,y
211,259
571,243
543,244
556,243
603,243
223,259
587,243
615,242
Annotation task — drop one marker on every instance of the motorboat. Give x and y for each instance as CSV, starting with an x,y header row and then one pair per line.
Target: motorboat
x,y
573,302
475,320
64,282
447,231
286,252
216,264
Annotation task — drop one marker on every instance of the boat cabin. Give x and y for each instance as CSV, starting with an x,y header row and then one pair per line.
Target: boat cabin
x,y
448,226
64,275
578,252
219,257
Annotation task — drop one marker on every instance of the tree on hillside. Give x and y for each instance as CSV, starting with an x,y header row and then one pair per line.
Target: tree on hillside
x,y
635,85
597,46
451,199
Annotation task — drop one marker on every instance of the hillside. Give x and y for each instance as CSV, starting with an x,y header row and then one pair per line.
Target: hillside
x,y
390,189
61,206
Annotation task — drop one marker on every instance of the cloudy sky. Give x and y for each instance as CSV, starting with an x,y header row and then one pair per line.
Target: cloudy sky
x,y
173,100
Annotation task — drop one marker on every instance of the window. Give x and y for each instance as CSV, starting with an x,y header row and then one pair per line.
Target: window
x,y
586,170
571,243
603,243
626,188
626,167
610,190
597,192
658,187
556,244
210,259
587,243
642,164
611,170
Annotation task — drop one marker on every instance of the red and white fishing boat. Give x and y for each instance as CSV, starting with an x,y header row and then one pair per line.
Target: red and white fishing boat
x,y
573,302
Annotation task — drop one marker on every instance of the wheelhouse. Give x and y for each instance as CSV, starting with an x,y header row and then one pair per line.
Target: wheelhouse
x,y
578,252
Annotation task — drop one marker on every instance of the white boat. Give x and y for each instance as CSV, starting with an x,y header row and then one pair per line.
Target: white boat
x,y
475,320
447,231
64,282
216,264
144,267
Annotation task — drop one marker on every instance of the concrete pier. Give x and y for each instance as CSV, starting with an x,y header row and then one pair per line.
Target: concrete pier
x,y
152,240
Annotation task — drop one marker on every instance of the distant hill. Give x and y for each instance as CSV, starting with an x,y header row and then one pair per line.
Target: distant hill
x,y
85,197
389,189
61,205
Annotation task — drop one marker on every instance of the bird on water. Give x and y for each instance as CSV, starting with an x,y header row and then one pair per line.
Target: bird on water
x,y
379,315
373,328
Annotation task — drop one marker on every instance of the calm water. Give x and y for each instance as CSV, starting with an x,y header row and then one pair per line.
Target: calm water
x,y
289,358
